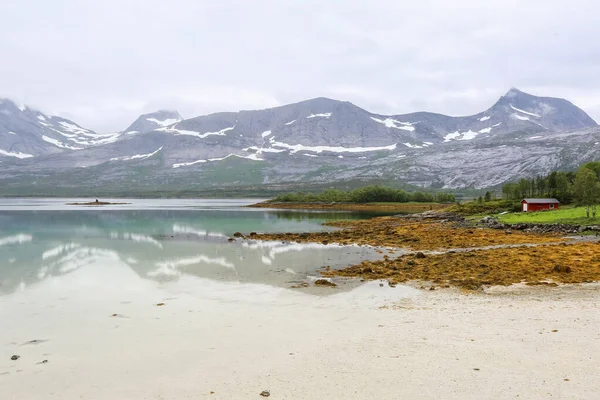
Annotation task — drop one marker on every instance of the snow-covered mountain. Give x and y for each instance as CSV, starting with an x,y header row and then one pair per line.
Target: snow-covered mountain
x,y
318,140
27,133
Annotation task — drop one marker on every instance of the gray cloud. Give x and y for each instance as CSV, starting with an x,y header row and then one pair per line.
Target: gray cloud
x,y
102,63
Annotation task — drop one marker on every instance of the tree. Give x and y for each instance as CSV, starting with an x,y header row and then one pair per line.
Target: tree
x,y
540,184
488,196
524,187
571,177
507,190
563,192
552,183
594,166
587,190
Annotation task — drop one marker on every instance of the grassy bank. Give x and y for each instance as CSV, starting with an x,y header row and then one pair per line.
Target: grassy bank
x,y
565,215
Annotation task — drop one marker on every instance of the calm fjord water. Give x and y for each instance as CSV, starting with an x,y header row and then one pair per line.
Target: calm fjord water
x,y
160,240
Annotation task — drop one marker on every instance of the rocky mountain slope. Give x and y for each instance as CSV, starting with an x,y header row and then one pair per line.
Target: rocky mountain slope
x,y
27,133
319,140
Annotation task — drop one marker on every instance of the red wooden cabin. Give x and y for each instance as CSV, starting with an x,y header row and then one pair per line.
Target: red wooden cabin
x,y
531,205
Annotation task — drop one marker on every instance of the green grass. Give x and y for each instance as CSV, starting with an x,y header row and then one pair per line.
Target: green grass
x,y
565,215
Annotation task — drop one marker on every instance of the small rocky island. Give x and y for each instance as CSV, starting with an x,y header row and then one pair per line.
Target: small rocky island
x,y
96,203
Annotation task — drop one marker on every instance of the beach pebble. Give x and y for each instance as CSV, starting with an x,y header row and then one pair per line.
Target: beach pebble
x,y
265,393
15,357
420,255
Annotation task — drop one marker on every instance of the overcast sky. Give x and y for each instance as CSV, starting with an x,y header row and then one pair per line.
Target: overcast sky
x,y
104,62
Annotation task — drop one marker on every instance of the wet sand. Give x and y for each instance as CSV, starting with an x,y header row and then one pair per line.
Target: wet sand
x,y
238,340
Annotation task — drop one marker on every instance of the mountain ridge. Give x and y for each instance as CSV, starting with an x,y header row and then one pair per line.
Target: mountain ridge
x,y
315,140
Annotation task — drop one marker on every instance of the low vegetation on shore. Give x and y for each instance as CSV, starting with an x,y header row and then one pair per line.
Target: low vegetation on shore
x,y
383,208
367,194
540,265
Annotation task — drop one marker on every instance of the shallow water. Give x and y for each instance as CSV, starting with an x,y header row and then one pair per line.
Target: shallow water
x,y
161,240
104,303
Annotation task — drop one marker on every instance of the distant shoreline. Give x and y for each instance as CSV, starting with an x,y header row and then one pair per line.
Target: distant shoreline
x,y
399,207
96,203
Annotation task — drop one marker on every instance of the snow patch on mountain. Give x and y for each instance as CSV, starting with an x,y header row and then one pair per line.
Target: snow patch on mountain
x,y
137,156
522,118
187,164
319,149
12,154
525,112
106,138
73,128
289,123
265,133
483,119
391,123
60,144
176,131
260,150
164,122
468,135
412,146
324,115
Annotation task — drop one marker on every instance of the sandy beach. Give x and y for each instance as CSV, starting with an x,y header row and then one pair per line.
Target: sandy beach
x,y
236,340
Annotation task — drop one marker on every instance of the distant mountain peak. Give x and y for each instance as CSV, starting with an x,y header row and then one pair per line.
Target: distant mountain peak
x,y
513,92
155,120
551,113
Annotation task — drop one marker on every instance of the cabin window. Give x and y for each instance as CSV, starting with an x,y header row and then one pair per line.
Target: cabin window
x,y
552,206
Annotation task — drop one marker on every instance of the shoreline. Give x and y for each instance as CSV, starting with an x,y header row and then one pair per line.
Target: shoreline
x,y
442,253
375,207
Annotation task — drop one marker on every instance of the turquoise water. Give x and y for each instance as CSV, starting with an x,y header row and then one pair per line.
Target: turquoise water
x,y
161,240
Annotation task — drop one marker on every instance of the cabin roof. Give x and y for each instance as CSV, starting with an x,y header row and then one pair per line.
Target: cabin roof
x,y
541,201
